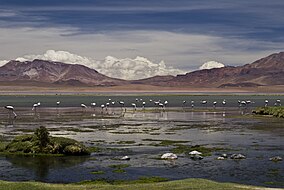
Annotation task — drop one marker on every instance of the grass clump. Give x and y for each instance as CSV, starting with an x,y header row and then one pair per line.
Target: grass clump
x,y
42,143
99,172
126,142
165,142
277,111
119,168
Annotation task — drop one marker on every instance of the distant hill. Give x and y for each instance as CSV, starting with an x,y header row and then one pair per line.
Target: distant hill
x,y
266,71
54,73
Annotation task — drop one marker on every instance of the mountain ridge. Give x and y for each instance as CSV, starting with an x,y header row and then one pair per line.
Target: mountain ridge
x,y
56,73
263,72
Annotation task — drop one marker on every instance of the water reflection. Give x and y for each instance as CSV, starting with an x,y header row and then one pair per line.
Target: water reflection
x,y
41,165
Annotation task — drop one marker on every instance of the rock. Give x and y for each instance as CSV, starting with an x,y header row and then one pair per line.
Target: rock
x,y
170,156
220,158
125,158
275,159
237,156
195,153
196,157
224,155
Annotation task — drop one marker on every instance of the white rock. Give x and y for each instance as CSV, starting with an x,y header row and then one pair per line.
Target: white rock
x,y
125,158
195,153
237,156
170,156
275,159
220,158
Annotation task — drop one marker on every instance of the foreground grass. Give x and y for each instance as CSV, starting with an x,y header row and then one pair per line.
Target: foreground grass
x,y
194,184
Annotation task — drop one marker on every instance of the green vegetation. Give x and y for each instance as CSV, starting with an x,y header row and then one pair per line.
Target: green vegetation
x,y
125,142
153,179
78,130
42,143
277,111
119,168
98,172
165,142
146,183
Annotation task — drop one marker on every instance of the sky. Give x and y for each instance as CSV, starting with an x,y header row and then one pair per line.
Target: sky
x,y
179,35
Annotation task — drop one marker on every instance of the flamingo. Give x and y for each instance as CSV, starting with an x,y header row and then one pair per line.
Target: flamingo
x,y
203,102
266,103
143,103
93,104
224,102
161,105
214,104
102,106
35,106
134,106
183,103
11,110
166,103
84,107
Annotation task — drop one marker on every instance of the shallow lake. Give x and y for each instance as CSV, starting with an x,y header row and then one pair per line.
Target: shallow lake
x,y
139,134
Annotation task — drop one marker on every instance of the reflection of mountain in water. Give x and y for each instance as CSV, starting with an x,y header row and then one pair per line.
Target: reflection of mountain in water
x,y
42,164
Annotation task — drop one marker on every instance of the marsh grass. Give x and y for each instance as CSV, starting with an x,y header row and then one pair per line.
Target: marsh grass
x,y
164,142
148,183
98,172
276,111
125,142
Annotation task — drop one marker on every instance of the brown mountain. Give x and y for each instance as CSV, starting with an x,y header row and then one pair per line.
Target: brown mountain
x,y
263,72
266,71
40,71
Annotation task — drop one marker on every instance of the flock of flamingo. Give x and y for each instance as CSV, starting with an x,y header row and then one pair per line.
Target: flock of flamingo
x,y
159,104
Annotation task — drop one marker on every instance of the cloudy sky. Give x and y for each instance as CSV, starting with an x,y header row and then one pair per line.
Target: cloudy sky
x,y
182,33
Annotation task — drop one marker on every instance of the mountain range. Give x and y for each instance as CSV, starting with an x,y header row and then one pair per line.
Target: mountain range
x,y
263,72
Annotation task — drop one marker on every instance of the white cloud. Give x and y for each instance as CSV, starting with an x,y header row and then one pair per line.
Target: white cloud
x,y
126,68
211,65
182,51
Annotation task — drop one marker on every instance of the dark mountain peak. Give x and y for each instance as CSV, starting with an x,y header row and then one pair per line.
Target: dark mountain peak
x,y
275,61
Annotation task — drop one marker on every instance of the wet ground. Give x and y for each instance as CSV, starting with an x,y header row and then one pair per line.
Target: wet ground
x,y
141,135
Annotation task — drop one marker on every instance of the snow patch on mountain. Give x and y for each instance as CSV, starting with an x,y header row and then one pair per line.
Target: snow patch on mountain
x,y
211,65
31,73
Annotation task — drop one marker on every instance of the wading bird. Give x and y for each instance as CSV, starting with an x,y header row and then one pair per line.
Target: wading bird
x,y
214,104
11,111
203,102
102,107
134,106
183,103
93,105
35,106
84,107
265,103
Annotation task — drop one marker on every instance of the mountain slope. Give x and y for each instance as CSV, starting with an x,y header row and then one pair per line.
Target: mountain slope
x,y
266,71
55,72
